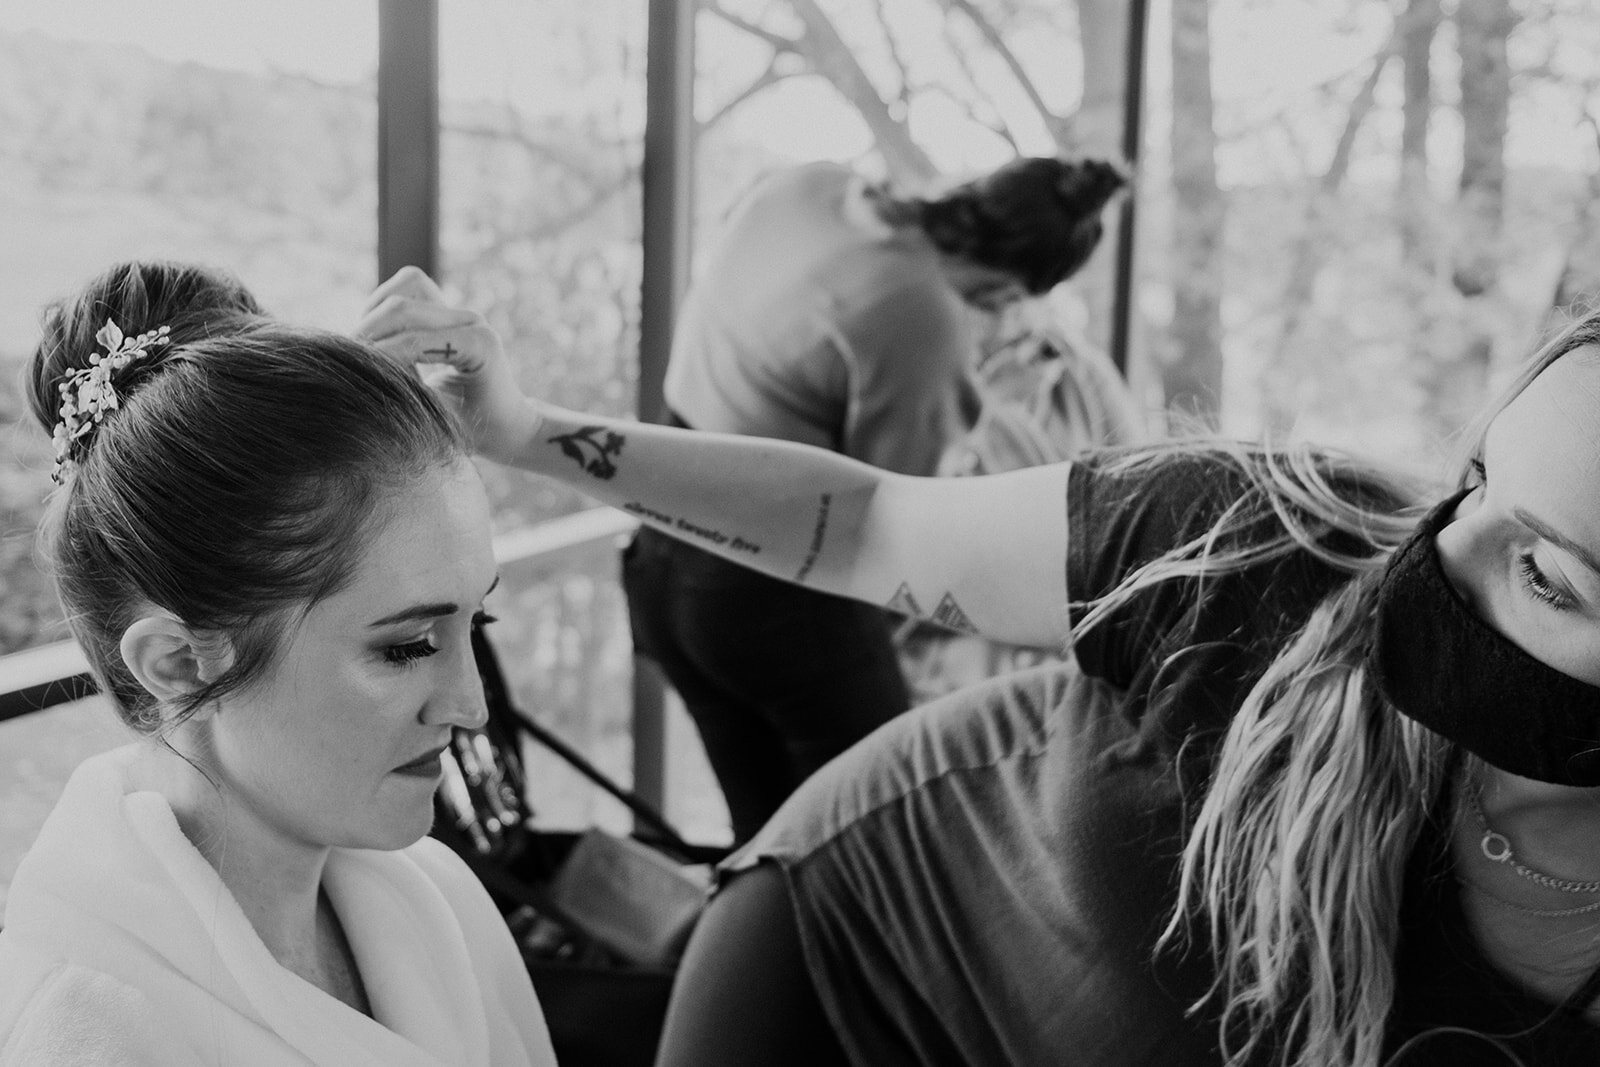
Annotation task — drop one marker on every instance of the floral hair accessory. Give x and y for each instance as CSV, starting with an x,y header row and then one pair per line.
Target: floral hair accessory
x,y
88,393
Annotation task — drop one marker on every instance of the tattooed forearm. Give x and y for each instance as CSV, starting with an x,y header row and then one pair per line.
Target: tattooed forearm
x,y
671,523
817,537
594,449
443,353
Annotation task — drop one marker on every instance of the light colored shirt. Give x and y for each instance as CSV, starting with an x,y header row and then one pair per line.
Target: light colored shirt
x,y
812,321
122,946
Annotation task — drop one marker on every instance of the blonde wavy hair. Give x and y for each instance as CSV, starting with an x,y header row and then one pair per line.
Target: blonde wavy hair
x,y
1294,866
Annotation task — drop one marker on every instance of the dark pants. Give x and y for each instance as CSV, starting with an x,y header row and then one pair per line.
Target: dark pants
x,y
779,679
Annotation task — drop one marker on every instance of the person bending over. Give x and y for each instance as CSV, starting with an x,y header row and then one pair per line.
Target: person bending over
x,y
838,313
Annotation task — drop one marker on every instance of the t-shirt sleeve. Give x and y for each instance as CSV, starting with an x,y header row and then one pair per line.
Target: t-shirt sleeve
x,y
1211,636
907,355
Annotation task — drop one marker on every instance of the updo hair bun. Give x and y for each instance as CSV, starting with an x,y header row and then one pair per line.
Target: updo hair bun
x,y
1086,185
138,297
954,223
1036,218
236,483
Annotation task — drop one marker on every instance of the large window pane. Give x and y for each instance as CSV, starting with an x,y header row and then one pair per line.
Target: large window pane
x,y
1403,204
230,133
543,117
220,131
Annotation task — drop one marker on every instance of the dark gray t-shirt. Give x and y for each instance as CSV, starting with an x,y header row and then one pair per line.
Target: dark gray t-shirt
x,y
983,880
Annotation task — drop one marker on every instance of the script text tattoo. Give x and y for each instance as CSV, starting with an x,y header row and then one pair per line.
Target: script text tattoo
x,y
818,535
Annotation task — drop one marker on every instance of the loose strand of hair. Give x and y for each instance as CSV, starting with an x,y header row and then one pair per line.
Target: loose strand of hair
x,y
1292,872
1296,863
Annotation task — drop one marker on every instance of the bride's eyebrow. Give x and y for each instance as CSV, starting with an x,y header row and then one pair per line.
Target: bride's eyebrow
x,y
427,611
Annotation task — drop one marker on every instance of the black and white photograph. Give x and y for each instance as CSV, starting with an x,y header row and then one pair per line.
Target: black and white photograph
x,y
793,533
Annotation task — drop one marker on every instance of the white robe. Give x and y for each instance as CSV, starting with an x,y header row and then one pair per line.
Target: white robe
x,y
122,946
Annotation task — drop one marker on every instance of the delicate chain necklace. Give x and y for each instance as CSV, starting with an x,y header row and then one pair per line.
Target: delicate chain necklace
x,y
1496,848
1543,913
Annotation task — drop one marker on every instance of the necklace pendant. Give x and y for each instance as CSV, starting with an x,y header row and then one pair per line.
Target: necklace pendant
x,y
1495,847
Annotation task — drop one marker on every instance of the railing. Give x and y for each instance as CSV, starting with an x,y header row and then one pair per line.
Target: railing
x,y
42,678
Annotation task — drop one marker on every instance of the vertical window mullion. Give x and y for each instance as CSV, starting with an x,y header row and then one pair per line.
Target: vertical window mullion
x,y
408,135
667,183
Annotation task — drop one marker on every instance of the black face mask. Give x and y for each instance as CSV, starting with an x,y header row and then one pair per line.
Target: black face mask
x,y
1440,664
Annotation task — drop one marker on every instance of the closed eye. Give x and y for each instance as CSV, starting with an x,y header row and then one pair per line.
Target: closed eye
x,y
1539,584
1534,579
407,652
410,651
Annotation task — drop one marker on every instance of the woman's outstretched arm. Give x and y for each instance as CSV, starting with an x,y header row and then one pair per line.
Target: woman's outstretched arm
x,y
983,555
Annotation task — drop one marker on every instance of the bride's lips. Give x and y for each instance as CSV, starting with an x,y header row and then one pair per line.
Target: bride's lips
x,y
424,766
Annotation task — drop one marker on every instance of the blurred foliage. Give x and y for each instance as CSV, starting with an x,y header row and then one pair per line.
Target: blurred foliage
x,y
1328,329
540,233
276,177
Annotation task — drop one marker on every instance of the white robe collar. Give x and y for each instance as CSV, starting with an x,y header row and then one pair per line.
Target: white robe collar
x,y
164,922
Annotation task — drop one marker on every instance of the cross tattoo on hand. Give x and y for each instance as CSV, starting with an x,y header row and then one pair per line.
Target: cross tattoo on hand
x,y
447,351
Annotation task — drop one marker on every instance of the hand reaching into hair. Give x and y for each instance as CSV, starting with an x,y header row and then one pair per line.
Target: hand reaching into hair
x,y
408,317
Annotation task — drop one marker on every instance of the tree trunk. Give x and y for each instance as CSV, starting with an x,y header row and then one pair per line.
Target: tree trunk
x,y
1482,29
1420,25
1192,376
1096,130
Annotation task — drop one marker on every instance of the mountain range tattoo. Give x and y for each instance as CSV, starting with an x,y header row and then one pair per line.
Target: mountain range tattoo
x,y
949,614
593,448
817,537
903,603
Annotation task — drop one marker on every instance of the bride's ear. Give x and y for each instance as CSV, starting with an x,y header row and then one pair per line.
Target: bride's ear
x,y
169,659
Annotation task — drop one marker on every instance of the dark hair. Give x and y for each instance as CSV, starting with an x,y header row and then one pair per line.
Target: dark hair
x,y
1036,218
237,481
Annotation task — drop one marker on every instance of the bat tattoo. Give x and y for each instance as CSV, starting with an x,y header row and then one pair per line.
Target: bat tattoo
x,y
593,448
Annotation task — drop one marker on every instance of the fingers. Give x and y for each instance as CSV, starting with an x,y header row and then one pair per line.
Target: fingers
x,y
407,318
408,281
464,347
399,313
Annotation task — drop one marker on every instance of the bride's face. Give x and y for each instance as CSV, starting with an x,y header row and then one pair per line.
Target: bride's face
x,y
1524,548
338,744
